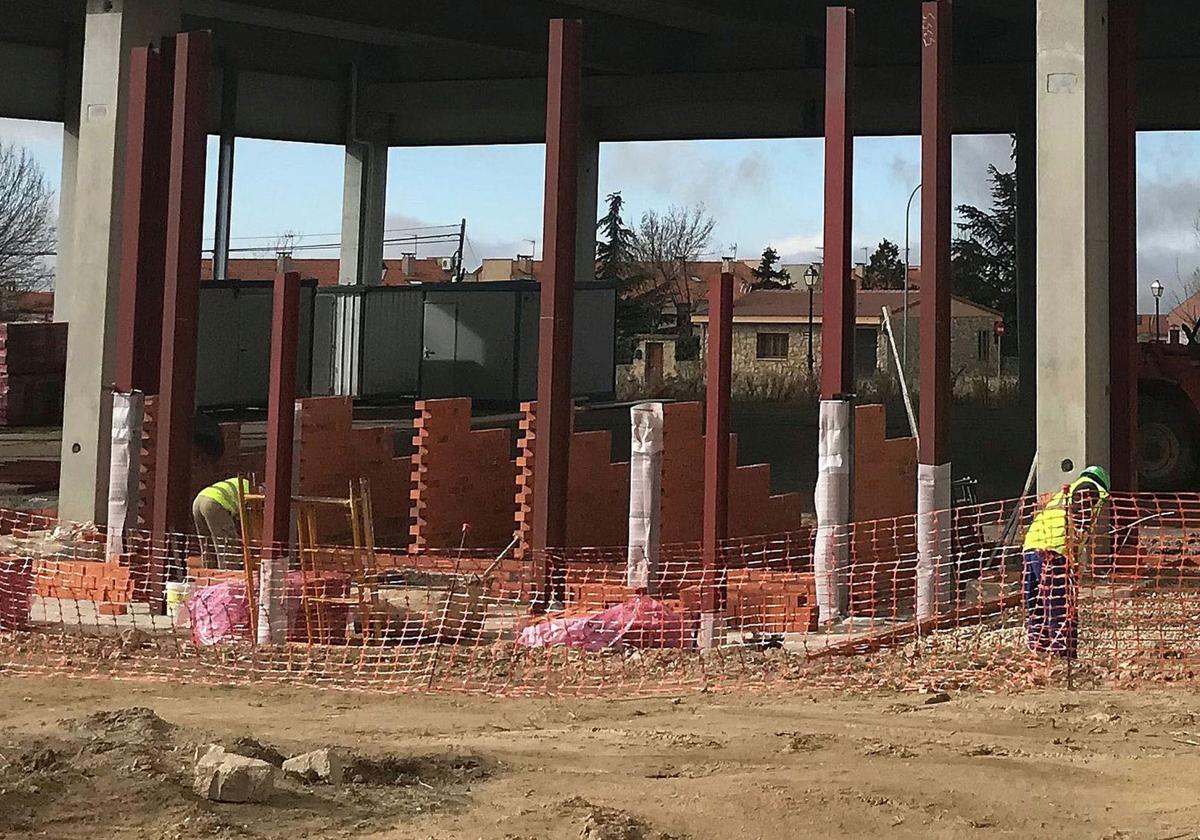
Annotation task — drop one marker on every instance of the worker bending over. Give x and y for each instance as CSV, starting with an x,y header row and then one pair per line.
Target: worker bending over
x,y
215,508
1056,543
218,523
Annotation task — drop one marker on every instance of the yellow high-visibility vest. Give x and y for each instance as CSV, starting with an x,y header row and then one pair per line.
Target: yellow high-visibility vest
x,y
1048,531
225,493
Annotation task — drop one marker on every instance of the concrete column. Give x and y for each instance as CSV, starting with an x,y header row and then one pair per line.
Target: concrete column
x,y
588,187
363,198
228,139
73,72
1072,259
363,206
86,282
1026,326
1122,267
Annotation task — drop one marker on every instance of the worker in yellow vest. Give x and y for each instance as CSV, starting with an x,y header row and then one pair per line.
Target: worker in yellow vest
x,y
218,523
1056,542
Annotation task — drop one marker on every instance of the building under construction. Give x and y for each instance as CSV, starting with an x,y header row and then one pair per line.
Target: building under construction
x,y
139,84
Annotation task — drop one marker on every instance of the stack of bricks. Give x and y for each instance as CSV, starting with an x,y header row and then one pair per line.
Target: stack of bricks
x,y
33,364
332,455
882,574
204,471
16,592
459,476
597,488
769,602
112,584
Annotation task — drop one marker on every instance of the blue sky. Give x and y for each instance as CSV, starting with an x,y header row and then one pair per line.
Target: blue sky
x,y
760,192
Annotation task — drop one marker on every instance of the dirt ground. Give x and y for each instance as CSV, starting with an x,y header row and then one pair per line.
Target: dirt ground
x,y
112,759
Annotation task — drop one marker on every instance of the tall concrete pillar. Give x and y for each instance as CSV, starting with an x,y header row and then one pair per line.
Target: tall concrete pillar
x,y
1026,326
1122,267
588,187
86,282
228,139
363,207
363,199
1072,248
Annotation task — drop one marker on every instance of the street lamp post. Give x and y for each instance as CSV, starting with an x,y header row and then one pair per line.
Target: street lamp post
x,y
1156,288
810,280
904,340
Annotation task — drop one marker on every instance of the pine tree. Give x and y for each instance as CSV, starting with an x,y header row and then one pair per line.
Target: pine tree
x,y
885,270
984,256
767,276
638,302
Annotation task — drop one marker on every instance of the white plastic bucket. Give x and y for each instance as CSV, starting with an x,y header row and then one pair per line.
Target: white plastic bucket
x,y
178,593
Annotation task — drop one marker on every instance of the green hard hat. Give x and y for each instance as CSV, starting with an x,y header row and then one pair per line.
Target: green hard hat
x,y
1098,475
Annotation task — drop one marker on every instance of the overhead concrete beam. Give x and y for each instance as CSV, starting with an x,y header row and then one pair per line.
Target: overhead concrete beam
x,y
39,73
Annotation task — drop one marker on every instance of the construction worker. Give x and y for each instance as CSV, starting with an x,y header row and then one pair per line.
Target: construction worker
x,y
215,508
215,512
1056,542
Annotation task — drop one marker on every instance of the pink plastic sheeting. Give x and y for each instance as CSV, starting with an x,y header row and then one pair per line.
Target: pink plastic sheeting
x,y
221,613
641,621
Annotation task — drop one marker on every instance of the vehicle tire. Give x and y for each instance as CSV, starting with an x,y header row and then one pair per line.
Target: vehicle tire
x,y
1167,445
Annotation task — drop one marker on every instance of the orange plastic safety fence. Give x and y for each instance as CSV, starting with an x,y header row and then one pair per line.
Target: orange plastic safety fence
x,y
1124,606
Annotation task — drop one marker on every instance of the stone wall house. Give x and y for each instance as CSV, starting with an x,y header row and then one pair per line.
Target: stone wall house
x,y
771,326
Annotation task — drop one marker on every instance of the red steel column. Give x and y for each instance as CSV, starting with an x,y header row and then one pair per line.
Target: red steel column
x,y
1122,242
716,450
143,213
556,320
935,232
281,410
271,625
934,590
185,210
837,284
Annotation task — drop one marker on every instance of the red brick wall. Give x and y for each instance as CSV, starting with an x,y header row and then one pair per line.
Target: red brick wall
x,y
332,454
204,472
752,508
460,475
598,513
598,489
885,499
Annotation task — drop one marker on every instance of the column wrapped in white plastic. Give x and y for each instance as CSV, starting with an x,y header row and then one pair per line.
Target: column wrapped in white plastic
x,y
273,568
831,549
935,558
123,467
645,495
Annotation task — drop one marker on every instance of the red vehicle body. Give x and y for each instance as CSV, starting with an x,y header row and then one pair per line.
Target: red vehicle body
x,y
1168,415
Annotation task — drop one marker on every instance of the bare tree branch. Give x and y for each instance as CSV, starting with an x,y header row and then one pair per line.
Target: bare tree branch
x,y
26,233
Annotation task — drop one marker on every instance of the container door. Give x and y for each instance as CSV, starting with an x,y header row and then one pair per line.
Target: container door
x,y
439,357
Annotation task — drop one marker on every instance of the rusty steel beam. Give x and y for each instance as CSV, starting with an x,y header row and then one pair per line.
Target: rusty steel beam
x,y
181,293
936,68
281,411
556,320
143,214
719,363
1122,243
837,284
